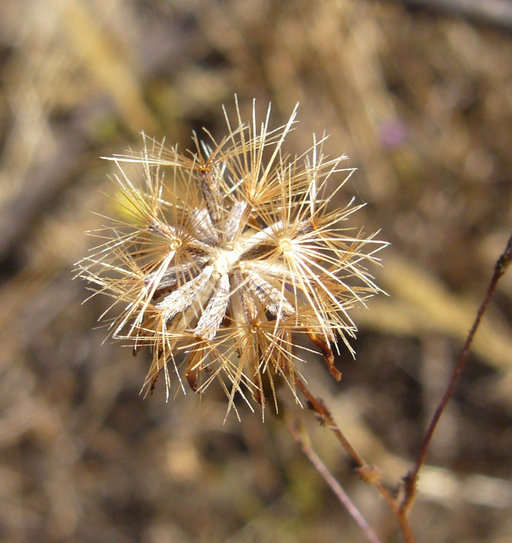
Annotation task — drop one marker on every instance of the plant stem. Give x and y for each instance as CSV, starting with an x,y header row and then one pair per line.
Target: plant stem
x,y
368,473
334,484
411,478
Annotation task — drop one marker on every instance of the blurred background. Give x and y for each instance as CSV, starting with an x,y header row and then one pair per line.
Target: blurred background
x,y
421,101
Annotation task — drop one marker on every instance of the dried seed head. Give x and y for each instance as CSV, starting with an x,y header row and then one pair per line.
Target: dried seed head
x,y
222,256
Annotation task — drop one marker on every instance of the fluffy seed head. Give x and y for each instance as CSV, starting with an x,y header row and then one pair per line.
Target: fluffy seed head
x,y
221,257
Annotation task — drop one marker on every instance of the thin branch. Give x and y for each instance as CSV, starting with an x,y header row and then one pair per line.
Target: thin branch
x,y
368,473
411,478
329,478
323,413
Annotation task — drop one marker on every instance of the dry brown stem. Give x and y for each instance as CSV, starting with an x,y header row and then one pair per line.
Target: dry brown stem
x,y
368,473
343,498
411,478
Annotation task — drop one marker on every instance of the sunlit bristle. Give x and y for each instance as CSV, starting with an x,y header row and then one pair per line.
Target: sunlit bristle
x,y
220,257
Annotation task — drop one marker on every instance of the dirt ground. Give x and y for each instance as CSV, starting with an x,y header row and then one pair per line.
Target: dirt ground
x,y
421,102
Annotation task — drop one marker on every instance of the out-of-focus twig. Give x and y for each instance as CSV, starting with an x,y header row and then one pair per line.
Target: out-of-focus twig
x,y
110,69
333,483
495,12
411,478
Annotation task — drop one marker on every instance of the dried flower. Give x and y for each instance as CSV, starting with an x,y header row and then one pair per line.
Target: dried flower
x,y
222,255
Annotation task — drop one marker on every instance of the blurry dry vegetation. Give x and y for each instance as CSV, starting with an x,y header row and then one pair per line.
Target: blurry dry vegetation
x,y
422,104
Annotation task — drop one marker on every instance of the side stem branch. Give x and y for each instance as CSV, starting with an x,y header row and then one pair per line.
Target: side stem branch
x,y
368,473
338,490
